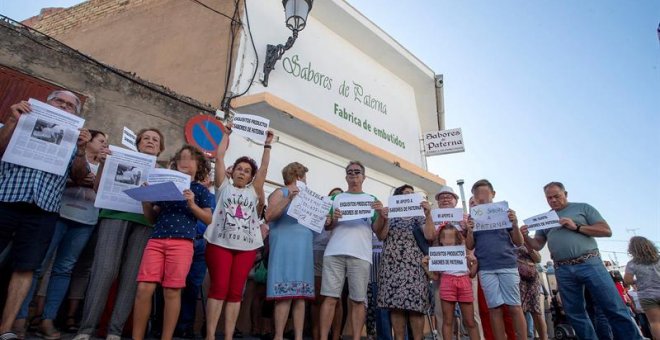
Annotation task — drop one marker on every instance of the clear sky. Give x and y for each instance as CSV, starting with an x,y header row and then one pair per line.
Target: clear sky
x,y
544,91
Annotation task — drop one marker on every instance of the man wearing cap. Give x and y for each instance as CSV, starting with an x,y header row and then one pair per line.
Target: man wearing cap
x,y
447,199
578,265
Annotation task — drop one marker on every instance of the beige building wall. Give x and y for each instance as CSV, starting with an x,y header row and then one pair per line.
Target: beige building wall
x,y
179,44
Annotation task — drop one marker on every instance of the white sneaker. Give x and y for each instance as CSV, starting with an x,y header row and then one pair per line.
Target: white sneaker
x,y
81,336
113,337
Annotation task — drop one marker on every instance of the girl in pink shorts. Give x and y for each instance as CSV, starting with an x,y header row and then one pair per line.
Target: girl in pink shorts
x,y
169,252
456,286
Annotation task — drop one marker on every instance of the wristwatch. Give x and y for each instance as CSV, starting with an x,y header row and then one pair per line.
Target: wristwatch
x,y
577,227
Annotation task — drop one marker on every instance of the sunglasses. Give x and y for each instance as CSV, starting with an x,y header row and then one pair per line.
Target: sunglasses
x,y
353,172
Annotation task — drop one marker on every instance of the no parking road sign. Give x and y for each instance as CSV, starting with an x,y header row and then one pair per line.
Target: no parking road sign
x,y
205,132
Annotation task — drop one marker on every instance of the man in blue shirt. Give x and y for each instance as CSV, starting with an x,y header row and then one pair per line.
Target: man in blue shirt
x,y
578,265
29,205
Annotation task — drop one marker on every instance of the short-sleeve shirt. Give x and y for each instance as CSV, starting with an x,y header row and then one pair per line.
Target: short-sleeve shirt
x,y
352,237
648,279
22,184
495,250
235,219
564,243
176,220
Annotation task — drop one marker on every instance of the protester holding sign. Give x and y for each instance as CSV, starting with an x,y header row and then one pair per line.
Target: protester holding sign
x,y
169,251
578,266
402,284
78,218
495,248
348,253
29,204
455,285
122,237
235,233
290,263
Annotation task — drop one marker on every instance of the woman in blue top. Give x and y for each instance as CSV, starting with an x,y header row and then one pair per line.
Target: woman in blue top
x,y
168,255
291,261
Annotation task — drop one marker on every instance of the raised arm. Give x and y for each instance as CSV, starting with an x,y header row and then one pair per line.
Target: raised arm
x,y
79,168
260,177
10,124
429,227
220,158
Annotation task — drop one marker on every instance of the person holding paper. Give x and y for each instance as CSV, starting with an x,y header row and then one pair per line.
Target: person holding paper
x,y
169,251
29,205
234,235
578,266
78,218
456,286
348,253
402,284
498,264
290,265
122,237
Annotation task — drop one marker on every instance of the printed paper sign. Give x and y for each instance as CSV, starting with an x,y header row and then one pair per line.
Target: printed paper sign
x,y
180,180
128,139
405,206
491,216
443,142
450,258
447,215
251,127
543,221
124,169
353,206
44,139
310,208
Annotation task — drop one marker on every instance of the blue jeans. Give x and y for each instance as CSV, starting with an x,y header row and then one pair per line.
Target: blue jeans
x,y
69,240
530,325
592,276
194,282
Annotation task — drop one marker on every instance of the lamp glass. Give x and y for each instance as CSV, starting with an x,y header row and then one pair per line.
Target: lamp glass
x,y
296,14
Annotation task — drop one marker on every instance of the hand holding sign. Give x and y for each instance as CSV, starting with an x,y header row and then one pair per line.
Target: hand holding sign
x,y
409,205
543,221
493,216
449,258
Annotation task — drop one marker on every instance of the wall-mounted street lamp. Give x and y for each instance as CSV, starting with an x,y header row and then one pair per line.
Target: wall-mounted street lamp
x,y
296,12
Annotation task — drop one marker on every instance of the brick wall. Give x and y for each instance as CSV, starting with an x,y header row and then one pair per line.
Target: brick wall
x,y
57,21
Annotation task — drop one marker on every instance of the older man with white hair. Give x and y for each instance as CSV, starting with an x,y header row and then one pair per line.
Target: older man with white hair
x,y
29,206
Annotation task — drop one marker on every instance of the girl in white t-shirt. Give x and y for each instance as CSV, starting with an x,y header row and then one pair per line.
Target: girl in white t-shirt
x,y
456,286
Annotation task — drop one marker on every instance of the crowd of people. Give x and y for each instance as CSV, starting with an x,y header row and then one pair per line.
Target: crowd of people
x,y
372,270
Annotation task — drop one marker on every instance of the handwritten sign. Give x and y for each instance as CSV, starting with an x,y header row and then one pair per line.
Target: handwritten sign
x,y
491,216
354,206
443,142
405,206
543,221
447,215
310,208
449,258
251,127
128,139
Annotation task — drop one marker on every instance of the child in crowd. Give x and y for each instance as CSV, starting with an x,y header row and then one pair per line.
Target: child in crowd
x,y
456,286
169,252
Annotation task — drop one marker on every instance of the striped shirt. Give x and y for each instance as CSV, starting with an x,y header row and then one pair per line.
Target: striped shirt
x,y
23,184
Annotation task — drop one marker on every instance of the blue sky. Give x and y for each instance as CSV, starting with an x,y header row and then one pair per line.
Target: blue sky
x,y
544,91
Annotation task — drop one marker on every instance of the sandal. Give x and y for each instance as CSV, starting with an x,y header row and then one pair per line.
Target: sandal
x,y
48,331
71,325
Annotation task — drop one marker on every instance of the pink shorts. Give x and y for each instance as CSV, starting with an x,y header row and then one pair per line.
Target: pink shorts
x,y
456,288
166,261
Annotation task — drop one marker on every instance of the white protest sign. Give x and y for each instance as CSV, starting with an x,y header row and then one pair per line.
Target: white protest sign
x,y
354,206
449,258
128,139
44,139
251,127
543,221
310,208
447,215
405,206
491,216
443,142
